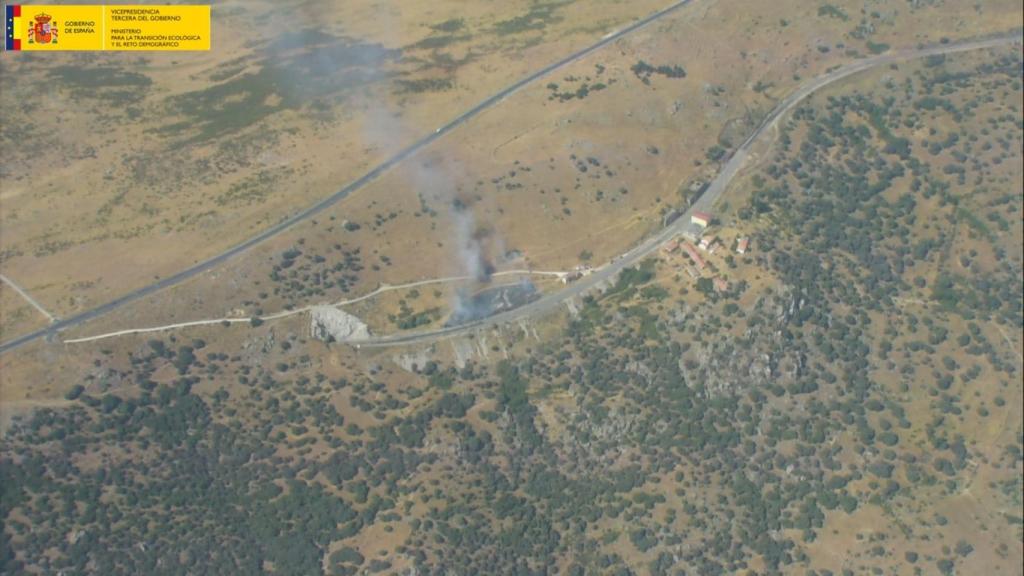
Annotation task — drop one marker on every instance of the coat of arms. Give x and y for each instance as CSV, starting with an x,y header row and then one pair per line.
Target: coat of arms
x,y
42,31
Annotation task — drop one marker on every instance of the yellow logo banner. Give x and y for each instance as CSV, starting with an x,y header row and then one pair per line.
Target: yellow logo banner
x,y
101,27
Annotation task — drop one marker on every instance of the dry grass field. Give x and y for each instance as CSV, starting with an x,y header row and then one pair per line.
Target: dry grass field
x,y
516,169
119,168
16,315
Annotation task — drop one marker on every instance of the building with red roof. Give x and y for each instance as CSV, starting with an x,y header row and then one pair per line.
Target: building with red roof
x,y
694,255
702,219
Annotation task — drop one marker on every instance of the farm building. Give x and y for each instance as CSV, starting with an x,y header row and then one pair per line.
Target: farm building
x,y
694,255
702,219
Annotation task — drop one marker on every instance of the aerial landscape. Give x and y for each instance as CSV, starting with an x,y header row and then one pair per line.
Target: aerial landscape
x,y
531,287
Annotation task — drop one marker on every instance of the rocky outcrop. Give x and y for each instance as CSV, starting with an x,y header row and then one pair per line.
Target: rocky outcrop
x,y
414,361
330,324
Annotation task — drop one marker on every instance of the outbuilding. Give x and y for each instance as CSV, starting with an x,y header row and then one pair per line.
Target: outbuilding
x,y
692,253
702,219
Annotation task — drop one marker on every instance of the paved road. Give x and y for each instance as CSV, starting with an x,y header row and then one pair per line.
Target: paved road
x,y
707,200
340,194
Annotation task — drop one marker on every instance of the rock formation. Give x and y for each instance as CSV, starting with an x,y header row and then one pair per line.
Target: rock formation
x,y
327,323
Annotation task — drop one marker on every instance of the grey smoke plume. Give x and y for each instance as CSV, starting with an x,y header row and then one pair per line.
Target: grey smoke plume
x,y
437,180
328,63
489,301
470,249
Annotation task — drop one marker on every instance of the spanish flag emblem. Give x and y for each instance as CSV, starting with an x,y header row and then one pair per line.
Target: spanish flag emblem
x,y
55,27
12,18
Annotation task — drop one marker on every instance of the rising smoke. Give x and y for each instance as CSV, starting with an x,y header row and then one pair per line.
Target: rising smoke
x,y
437,180
384,128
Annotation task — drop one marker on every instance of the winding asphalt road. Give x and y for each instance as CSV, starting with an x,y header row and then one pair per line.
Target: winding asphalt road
x,y
351,187
707,200
605,274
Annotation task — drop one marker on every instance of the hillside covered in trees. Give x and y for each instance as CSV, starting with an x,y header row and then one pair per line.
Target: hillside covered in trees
x,y
854,388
